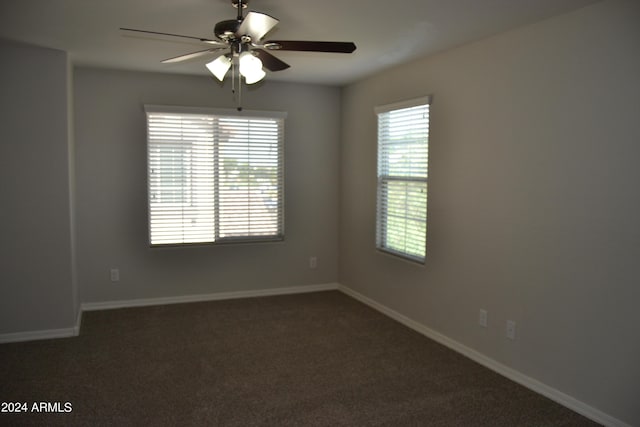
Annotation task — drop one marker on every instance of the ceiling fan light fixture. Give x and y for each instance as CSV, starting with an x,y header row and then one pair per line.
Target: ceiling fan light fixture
x,y
254,77
219,66
251,67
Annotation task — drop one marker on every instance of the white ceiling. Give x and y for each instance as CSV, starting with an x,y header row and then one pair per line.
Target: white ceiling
x,y
386,32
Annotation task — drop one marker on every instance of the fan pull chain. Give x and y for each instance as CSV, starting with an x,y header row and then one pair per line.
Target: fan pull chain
x,y
239,93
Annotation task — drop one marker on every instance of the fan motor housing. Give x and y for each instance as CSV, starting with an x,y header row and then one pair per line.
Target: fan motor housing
x,y
226,30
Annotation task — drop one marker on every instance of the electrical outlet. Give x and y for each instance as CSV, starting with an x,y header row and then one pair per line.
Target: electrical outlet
x,y
482,318
511,329
313,262
115,275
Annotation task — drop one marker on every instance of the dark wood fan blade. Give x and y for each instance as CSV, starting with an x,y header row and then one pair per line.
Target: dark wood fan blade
x,y
209,41
311,46
269,61
256,25
191,55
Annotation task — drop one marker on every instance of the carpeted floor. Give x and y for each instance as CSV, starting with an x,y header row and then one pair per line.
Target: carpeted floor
x,y
320,359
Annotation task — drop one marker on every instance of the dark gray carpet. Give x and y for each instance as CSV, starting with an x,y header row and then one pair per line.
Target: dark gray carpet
x,y
320,359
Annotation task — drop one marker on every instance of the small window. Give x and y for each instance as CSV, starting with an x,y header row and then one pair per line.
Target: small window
x,y
214,176
403,146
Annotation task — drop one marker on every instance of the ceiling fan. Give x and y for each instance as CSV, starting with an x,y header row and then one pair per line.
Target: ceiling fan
x,y
239,42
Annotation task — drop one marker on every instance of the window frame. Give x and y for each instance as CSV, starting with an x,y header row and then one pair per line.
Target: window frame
x,y
383,180
280,173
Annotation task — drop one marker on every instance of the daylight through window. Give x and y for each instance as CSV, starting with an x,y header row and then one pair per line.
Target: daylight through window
x,y
403,143
214,176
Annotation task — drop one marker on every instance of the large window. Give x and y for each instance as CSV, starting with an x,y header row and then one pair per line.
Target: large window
x,y
214,176
403,143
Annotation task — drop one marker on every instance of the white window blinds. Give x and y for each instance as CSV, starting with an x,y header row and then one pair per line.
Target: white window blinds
x,y
403,142
214,176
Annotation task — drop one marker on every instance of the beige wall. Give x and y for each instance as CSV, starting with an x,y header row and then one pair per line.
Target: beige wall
x,y
111,190
533,200
36,290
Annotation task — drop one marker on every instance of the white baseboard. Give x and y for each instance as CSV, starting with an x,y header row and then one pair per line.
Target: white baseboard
x,y
75,330
43,334
516,376
38,335
107,305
